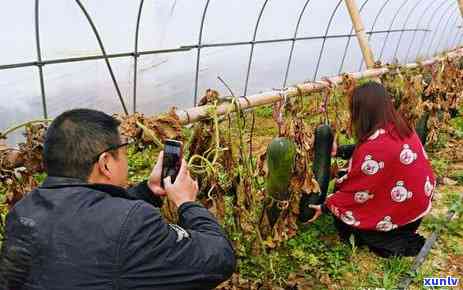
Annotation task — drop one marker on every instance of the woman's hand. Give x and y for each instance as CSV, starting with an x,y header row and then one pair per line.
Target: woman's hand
x,y
334,148
318,212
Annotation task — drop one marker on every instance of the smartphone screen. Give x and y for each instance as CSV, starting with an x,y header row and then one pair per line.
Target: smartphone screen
x,y
172,160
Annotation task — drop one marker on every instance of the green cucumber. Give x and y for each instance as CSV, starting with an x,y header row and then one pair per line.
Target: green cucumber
x,y
281,154
321,168
322,157
422,127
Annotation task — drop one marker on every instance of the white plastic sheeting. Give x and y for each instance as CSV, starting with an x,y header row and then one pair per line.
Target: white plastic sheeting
x,y
168,79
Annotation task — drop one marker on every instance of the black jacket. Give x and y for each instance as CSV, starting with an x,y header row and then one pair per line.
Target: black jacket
x,y
70,235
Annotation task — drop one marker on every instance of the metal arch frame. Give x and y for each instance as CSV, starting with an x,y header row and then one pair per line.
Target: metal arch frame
x,y
380,11
293,42
251,52
454,42
136,55
403,27
456,28
324,38
103,51
446,26
39,59
198,55
459,42
420,20
184,49
341,66
446,13
404,3
428,26
461,39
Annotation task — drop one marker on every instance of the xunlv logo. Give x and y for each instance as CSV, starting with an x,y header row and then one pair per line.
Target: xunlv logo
x,y
449,281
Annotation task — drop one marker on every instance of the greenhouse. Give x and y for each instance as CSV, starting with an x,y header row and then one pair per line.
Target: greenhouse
x,y
264,99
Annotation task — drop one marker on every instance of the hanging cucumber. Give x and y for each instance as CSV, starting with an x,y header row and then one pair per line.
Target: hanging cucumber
x,y
281,153
321,168
322,158
422,127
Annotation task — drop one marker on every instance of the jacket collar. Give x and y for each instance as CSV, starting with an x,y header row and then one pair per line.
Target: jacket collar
x,y
55,182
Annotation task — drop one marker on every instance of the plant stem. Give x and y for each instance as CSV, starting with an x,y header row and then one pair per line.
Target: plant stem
x,y
150,134
19,126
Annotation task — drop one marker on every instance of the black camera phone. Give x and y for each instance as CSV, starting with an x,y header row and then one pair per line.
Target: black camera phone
x,y
172,160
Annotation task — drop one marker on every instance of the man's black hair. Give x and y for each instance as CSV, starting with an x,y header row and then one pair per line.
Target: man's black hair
x,y
75,138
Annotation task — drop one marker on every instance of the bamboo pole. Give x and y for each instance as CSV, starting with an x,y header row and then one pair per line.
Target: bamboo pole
x,y
360,32
460,3
199,113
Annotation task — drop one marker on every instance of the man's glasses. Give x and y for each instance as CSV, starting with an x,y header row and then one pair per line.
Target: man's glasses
x,y
125,142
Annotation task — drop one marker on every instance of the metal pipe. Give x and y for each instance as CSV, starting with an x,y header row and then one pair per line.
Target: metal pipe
x,y
251,52
420,19
439,42
428,26
403,27
39,60
87,58
135,56
100,43
293,42
390,27
198,56
185,48
324,39
454,42
449,10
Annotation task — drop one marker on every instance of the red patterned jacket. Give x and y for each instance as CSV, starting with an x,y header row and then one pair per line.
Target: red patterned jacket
x,y
389,183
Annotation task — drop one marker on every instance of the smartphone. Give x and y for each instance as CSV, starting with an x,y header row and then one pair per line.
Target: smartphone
x,y
172,160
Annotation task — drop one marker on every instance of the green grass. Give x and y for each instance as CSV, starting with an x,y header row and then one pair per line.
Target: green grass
x,y
316,254
264,111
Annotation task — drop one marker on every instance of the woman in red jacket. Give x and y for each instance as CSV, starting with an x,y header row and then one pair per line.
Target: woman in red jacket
x,y
389,183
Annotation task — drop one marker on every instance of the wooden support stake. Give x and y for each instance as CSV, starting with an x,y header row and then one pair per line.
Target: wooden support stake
x,y
360,32
200,113
460,3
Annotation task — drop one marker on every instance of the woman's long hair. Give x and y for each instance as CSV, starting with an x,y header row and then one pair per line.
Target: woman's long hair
x,y
371,108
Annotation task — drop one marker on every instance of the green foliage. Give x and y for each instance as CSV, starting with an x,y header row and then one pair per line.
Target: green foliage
x,y
314,251
457,124
440,166
389,273
458,176
141,162
264,111
40,177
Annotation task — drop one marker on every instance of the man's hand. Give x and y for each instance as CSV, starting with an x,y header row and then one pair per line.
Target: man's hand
x,y
184,189
154,181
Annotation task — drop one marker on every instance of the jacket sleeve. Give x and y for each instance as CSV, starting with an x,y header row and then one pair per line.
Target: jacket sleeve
x,y
141,191
17,253
195,254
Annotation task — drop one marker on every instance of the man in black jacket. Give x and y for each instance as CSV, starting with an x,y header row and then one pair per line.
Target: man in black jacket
x,y
82,230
